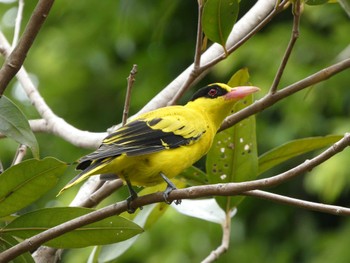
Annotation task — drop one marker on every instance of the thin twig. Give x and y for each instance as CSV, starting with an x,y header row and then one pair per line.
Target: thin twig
x,y
18,23
292,41
196,69
131,80
225,242
313,206
199,40
228,189
20,153
15,60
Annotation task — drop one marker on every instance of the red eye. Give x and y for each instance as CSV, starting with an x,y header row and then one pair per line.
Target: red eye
x,y
212,92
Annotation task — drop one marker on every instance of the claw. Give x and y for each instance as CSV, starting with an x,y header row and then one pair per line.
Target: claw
x,y
170,187
132,197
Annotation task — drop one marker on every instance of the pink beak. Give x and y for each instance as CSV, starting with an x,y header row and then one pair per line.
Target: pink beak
x,y
241,92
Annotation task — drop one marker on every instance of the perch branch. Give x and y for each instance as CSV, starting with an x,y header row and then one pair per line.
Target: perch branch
x,y
228,189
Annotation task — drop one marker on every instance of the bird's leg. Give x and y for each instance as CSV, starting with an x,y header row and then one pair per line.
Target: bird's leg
x,y
170,187
132,197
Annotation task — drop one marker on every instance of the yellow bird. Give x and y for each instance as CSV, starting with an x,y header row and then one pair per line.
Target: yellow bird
x,y
160,144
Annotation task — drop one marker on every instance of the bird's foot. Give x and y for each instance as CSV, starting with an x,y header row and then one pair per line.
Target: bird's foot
x,y
132,197
170,187
129,200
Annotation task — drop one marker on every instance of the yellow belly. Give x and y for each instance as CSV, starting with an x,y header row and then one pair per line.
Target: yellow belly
x,y
144,170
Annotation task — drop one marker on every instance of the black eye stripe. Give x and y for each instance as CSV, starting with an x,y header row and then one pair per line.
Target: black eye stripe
x,y
211,91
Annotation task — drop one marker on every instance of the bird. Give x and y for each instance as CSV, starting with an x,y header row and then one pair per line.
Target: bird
x,y
158,145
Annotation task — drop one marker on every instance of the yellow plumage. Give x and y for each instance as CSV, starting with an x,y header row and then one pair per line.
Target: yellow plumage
x,y
162,142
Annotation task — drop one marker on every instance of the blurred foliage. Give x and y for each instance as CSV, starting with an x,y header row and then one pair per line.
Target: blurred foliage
x,y
81,60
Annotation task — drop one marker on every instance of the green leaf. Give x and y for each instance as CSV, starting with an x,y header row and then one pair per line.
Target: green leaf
x,y
292,149
14,125
194,176
330,179
233,156
6,242
107,231
240,78
22,184
143,218
219,16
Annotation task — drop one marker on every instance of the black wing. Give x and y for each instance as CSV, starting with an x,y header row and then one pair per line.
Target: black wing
x,y
145,136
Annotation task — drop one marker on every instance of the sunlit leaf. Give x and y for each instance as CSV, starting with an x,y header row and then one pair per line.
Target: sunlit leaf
x,y
107,231
22,184
205,209
292,149
233,156
219,16
14,125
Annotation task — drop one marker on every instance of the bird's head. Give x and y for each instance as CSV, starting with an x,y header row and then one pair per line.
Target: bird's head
x,y
223,92
217,99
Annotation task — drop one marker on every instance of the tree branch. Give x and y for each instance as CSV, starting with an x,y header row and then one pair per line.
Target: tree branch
x,y
15,60
270,99
51,123
245,25
228,189
318,207
232,46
